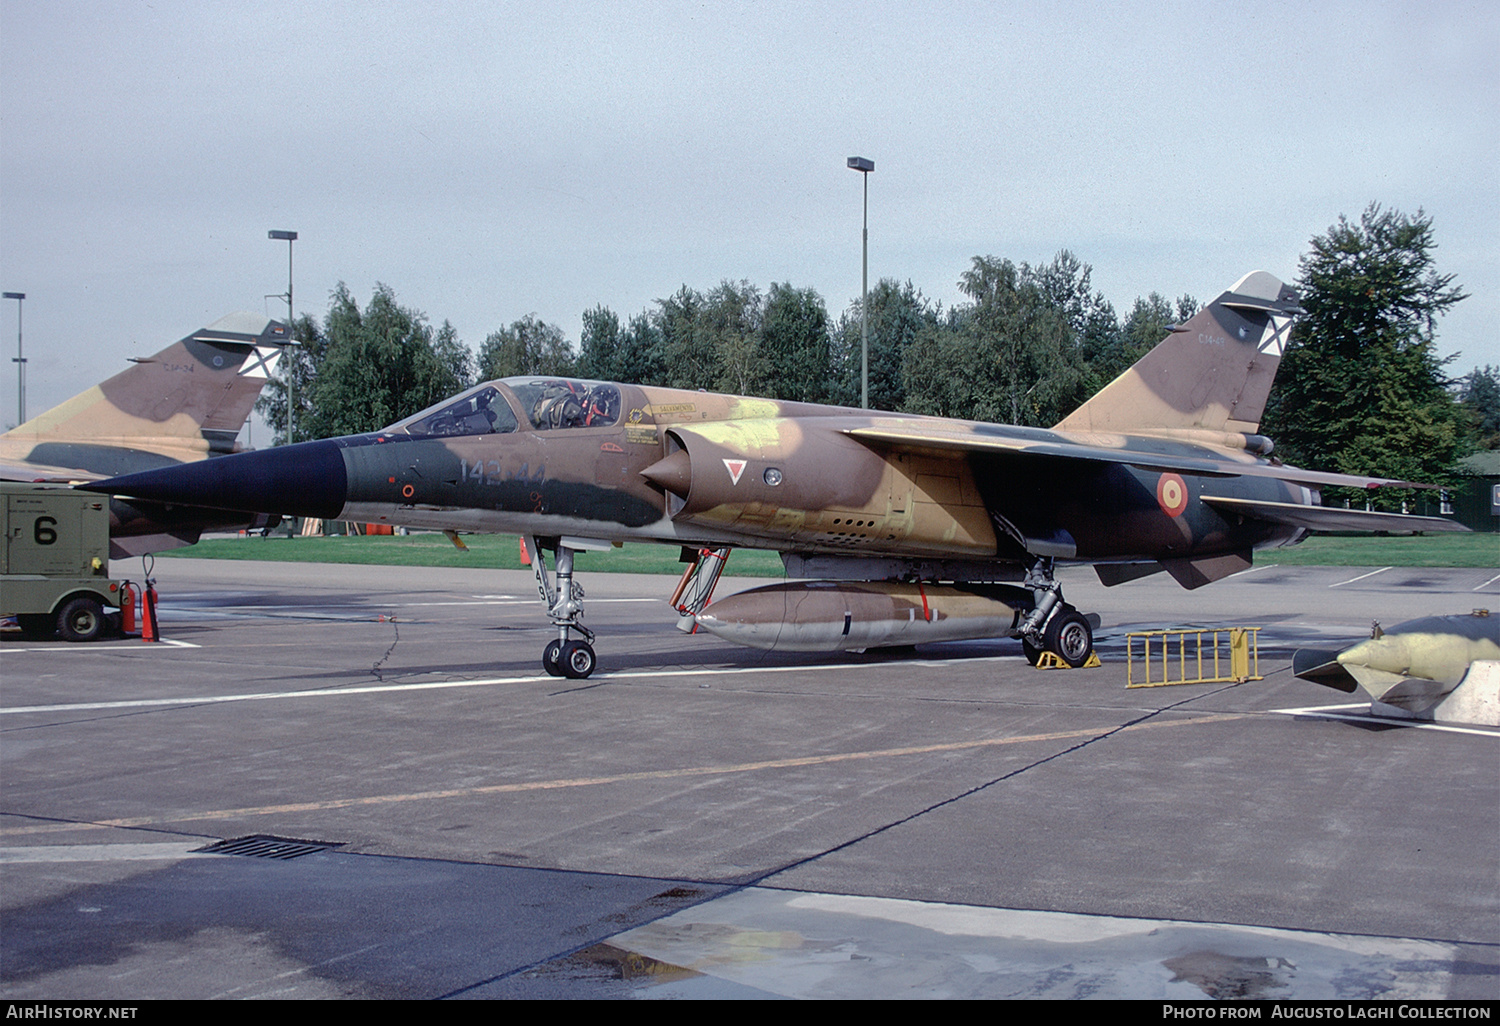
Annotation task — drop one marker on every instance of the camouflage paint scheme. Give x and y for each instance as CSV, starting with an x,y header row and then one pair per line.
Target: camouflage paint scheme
x,y
1412,665
1162,470
184,404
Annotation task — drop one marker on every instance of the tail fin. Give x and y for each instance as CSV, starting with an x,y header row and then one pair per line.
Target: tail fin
x,y
1212,373
187,402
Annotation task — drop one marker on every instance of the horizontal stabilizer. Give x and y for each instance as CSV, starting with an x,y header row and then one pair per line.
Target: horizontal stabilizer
x,y
1331,518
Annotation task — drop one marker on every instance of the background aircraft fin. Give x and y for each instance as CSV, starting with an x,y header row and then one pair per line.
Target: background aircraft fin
x,y
188,401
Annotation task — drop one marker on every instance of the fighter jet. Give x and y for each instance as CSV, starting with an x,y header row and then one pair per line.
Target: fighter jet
x,y
1413,665
899,529
186,403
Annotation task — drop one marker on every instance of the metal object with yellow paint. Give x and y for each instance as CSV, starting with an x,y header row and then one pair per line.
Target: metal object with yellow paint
x,y
1192,656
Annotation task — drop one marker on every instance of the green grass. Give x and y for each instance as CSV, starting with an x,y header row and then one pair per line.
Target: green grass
x,y
1460,550
492,551
503,552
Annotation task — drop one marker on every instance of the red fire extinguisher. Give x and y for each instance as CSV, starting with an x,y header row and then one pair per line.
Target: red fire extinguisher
x,y
127,607
149,630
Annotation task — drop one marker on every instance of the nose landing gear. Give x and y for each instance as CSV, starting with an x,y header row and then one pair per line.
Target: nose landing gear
x,y
564,656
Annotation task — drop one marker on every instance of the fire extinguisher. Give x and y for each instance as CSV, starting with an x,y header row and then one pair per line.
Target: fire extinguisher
x,y
127,607
149,631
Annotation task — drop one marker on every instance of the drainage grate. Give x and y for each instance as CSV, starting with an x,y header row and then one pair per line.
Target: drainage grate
x,y
264,846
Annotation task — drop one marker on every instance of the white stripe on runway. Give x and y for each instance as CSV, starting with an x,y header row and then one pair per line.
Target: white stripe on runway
x,y
374,689
131,646
172,850
1361,577
1359,712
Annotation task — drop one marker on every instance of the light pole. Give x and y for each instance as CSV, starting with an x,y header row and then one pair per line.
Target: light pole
x,y
291,322
19,360
864,167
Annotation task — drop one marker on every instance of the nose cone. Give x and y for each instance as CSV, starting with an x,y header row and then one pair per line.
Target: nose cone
x,y
308,479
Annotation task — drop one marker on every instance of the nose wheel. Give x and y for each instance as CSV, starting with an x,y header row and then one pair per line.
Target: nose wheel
x,y
575,659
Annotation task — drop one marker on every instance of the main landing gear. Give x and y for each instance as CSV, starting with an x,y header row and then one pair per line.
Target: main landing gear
x,y
1053,625
563,656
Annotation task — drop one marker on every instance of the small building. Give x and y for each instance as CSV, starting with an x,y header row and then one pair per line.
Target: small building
x,y
1476,502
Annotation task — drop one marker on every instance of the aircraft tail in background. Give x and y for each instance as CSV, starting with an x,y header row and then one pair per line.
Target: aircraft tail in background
x,y
187,402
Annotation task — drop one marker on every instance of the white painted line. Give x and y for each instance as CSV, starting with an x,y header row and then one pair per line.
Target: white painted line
x,y
1361,577
1487,583
374,689
120,646
172,850
1359,712
463,602
483,602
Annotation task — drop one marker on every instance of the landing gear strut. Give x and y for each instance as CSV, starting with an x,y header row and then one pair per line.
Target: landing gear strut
x,y
563,656
1053,625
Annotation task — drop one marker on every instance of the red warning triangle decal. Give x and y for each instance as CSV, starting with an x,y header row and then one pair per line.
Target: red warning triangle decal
x,y
736,468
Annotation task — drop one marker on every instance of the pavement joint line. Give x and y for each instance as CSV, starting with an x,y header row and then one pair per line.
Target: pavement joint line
x,y
686,772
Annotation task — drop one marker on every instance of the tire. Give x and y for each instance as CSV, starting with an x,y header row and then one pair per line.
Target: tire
x,y
1031,652
81,619
552,658
1070,637
577,660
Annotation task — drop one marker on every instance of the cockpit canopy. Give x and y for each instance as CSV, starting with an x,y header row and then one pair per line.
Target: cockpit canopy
x,y
547,404
553,403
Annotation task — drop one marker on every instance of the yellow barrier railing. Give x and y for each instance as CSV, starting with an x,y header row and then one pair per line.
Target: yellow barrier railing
x,y
1202,656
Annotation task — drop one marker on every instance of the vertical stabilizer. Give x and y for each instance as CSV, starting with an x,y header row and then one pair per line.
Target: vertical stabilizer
x,y
188,401
1213,373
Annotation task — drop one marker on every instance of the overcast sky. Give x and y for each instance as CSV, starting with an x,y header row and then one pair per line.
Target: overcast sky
x,y
490,160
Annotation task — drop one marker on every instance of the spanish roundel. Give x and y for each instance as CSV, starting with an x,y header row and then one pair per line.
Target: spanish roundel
x,y
1171,495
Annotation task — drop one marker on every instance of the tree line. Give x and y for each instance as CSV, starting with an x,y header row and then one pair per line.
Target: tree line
x,y
1031,343
1361,390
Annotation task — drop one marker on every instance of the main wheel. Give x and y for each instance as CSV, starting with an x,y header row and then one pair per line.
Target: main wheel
x,y
552,658
577,660
1031,652
1069,635
81,619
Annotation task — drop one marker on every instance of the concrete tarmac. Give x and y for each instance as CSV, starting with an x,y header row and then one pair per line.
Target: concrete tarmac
x,y
707,821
